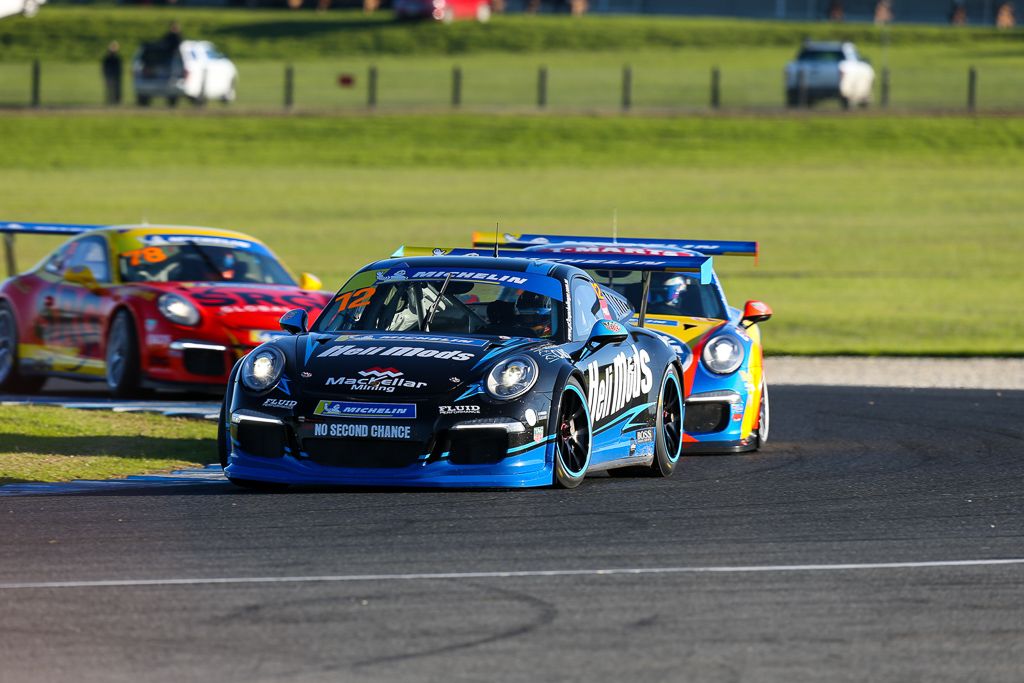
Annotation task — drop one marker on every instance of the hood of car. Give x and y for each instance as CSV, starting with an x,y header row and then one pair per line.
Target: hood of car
x,y
378,366
243,306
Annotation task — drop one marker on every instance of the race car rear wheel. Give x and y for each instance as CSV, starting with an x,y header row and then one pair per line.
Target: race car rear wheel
x,y
763,418
668,431
573,436
123,371
11,378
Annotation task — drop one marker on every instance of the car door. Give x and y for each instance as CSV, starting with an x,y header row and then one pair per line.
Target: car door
x,y
78,306
613,374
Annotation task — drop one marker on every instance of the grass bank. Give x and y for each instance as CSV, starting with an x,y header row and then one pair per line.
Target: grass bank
x,y
81,33
879,235
55,444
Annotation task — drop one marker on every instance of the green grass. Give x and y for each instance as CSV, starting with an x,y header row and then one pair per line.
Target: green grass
x,y
81,33
879,235
55,444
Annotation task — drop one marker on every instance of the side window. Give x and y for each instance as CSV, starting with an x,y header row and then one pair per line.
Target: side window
x,y
55,263
91,252
586,309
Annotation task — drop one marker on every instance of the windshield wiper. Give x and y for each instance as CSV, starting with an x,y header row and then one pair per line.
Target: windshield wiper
x,y
206,258
437,303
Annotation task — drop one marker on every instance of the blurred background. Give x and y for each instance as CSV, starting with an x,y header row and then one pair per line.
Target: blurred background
x,y
874,148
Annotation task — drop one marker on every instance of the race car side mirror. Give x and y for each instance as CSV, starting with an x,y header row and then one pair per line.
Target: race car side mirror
x,y
81,276
603,333
309,282
755,312
295,321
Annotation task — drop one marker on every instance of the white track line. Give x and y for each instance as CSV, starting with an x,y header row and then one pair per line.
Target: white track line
x,y
343,578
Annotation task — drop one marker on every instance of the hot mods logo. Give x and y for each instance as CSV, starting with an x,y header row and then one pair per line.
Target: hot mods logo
x,y
404,351
376,379
615,387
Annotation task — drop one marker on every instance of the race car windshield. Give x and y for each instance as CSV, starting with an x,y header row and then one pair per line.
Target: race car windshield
x,y
671,293
201,259
429,305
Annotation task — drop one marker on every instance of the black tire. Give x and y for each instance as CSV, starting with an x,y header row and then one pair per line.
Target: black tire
x,y
11,377
124,375
792,98
764,419
172,102
573,436
142,100
668,431
844,102
222,434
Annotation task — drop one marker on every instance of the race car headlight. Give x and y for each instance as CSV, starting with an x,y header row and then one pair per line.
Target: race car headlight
x,y
262,368
723,355
512,378
178,309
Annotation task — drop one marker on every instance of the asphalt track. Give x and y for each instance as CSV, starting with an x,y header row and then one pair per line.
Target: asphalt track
x,y
859,546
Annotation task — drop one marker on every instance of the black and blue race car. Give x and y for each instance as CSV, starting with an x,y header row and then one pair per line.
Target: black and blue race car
x,y
458,371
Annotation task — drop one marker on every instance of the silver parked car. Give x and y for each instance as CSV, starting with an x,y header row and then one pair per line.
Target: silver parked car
x,y
828,70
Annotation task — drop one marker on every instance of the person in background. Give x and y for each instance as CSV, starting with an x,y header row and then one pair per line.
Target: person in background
x,y
958,13
112,72
835,11
1004,16
883,12
172,39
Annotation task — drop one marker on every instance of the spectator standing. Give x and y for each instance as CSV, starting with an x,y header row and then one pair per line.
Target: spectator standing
x,y
112,73
883,12
835,11
958,13
172,39
578,7
1004,16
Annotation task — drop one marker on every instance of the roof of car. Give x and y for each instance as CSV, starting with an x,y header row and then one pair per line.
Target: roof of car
x,y
825,45
150,229
535,265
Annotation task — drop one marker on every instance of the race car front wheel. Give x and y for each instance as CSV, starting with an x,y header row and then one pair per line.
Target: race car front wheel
x,y
763,420
573,436
123,372
11,378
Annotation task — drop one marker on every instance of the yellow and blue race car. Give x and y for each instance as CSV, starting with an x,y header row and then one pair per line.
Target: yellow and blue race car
x,y
727,407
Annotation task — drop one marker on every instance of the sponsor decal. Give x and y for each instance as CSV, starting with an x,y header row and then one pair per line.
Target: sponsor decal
x,y
279,403
403,351
459,410
538,434
260,336
624,379
362,431
552,355
252,302
454,380
477,276
305,374
402,411
612,326
158,339
207,240
629,251
664,322
415,339
644,435
382,275
531,416
376,379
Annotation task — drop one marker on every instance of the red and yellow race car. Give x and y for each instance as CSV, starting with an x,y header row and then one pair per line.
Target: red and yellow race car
x,y
142,306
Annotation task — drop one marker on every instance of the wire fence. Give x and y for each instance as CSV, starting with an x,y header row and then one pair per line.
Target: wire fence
x,y
325,86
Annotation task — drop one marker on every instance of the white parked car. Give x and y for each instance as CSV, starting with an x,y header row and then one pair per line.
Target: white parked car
x,y
27,7
196,70
824,71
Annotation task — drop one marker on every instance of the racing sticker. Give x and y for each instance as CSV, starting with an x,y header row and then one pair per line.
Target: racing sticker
x,y
405,351
348,409
279,403
206,240
459,410
644,435
376,379
416,339
624,379
362,431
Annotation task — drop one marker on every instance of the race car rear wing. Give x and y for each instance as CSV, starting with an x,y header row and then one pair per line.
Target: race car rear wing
x,y
646,264
10,228
610,245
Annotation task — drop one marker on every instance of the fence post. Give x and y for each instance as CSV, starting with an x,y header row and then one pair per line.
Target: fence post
x,y
885,87
456,86
371,88
802,89
716,88
627,87
35,82
972,88
542,87
289,86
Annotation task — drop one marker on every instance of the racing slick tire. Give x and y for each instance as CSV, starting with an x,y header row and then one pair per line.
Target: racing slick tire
x,y
123,373
573,436
11,378
668,431
763,419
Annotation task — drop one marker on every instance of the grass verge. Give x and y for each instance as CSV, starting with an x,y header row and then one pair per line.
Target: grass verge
x,y
55,444
895,235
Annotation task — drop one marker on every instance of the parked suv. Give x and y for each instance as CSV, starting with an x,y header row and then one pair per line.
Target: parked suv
x,y
195,70
824,71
